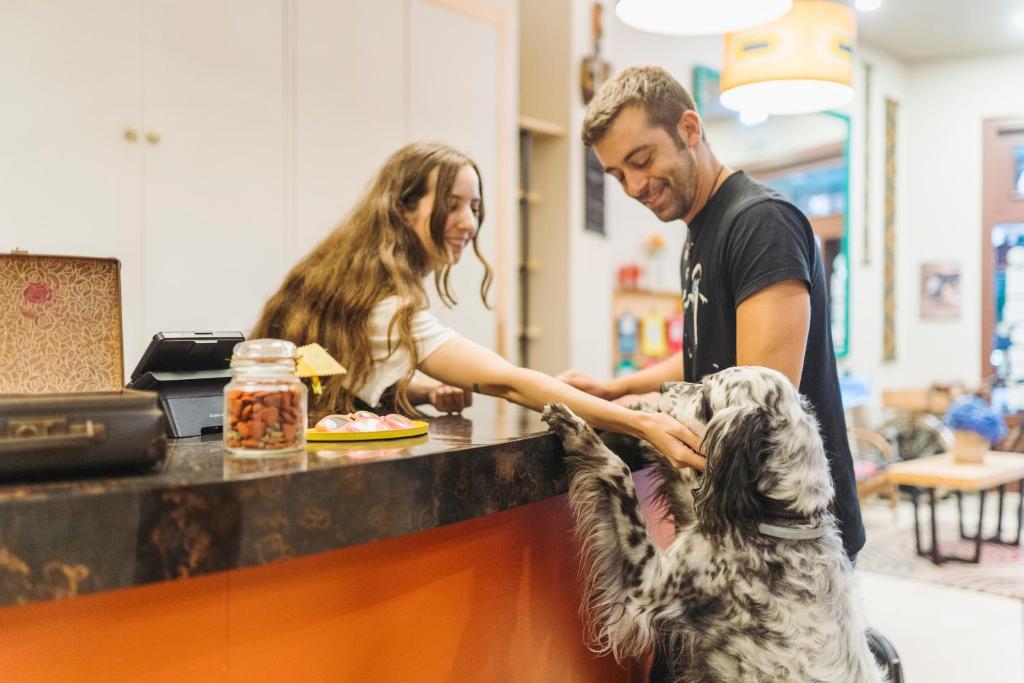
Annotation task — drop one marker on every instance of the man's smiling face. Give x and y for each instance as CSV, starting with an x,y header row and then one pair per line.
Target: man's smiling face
x,y
649,164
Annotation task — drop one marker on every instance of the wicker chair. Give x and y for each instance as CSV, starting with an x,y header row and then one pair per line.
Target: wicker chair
x,y
872,455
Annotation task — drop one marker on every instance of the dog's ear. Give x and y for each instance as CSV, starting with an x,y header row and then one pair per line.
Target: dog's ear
x,y
736,445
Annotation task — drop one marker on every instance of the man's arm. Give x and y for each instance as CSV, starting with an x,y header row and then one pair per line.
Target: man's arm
x,y
772,327
642,382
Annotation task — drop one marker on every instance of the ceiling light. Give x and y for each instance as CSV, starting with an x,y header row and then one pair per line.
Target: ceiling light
x,y
867,5
698,17
799,64
1018,20
753,118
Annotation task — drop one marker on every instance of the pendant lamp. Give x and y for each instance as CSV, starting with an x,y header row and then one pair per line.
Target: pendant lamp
x,y
698,17
799,64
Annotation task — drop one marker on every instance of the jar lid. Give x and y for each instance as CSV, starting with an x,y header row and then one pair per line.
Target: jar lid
x,y
258,351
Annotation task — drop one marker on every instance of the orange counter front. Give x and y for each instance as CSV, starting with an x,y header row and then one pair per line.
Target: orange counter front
x,y
90,587
490,599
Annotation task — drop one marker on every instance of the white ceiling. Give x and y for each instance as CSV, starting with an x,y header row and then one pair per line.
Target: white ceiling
x,y
922,30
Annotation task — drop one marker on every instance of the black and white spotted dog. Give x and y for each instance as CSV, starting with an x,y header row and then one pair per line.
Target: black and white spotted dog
x,y
755,586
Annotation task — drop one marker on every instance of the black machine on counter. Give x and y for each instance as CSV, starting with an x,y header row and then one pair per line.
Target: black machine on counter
x,y
188,370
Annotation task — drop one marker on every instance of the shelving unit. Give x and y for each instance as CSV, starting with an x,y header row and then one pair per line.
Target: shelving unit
x,y
641,302
531,132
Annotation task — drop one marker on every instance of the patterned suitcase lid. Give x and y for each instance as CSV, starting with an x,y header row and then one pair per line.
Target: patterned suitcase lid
x,y
60,324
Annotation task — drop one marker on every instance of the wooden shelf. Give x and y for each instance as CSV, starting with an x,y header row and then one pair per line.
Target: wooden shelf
x,y
657,294
541,128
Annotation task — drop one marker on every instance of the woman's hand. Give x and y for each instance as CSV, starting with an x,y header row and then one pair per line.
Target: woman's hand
x,y
673,440
449,399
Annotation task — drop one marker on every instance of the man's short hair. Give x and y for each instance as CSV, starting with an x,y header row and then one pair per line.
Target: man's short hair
x,y
661,95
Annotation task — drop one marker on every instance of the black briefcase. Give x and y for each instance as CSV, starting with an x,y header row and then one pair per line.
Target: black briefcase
x,y
63,408
54,433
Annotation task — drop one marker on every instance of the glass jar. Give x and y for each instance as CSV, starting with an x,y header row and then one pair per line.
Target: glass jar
x,y
265,403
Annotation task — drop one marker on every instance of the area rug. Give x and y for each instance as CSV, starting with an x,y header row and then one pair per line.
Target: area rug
x,y
890,548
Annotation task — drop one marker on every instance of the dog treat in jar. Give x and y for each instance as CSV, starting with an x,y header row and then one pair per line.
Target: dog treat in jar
x,y
265,403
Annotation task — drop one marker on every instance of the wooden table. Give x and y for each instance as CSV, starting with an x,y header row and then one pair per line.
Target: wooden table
x,y
940,472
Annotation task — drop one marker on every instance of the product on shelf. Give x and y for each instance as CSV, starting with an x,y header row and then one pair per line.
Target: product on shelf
x,y
652,335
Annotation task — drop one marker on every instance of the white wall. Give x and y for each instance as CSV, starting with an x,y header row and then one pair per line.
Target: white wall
x,y
946,104
938,210
341,86
888,80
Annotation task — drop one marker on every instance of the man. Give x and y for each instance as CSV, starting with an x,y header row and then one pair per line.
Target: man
x,y
752,276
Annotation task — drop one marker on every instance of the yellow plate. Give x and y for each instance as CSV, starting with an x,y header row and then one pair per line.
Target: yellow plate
x,y
418,429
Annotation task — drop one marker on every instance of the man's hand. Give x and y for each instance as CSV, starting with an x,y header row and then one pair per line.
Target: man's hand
x,y
629,400
673,440
449,399
588,384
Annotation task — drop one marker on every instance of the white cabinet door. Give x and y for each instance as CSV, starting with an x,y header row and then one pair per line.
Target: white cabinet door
x,y
214,197
70,182
454,99
350,106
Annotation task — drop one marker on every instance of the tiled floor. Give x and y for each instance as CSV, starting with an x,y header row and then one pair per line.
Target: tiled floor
x,y
943,634
947,635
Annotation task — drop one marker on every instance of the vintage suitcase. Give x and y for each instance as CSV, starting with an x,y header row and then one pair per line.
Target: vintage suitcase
x,y
63,407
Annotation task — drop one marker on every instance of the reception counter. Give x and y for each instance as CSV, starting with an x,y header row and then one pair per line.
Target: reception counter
x,y
447,557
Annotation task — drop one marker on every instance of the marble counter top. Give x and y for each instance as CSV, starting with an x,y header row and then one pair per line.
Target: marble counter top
x,y
206,510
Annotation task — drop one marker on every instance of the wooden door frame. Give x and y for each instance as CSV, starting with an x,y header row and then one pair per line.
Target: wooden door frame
x,y
996,207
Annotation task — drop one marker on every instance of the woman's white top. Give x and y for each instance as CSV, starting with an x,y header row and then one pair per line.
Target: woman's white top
x,y
427,333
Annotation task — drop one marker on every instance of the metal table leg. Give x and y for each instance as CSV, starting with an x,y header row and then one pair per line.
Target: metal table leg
x,y
998,536
981,519
999,519
960,513
933,552
917,522
1020,508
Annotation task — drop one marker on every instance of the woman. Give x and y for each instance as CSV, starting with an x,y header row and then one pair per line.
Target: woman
x,y
360,294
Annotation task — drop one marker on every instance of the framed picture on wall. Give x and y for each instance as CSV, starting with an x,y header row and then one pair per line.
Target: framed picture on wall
x,y
940,291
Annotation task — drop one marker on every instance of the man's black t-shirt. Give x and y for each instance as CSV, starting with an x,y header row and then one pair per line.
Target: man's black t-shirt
x,y
748,237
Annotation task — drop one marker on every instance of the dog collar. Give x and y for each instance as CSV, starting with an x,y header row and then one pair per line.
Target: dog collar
x,y
790,533
780,508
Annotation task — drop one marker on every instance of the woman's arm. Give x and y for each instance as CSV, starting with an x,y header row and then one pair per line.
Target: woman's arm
x,y
463,363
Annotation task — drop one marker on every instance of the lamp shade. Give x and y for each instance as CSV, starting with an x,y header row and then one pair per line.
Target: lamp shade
x,y
799,64
698,17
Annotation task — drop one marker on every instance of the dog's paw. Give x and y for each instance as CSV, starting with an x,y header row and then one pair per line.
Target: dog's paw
x,y
562,421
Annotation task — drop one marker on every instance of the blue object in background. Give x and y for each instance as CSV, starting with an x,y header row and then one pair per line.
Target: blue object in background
x,y
855,390
627,327
970,413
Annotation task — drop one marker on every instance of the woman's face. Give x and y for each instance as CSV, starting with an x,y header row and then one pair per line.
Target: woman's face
x,y
463,205
464,213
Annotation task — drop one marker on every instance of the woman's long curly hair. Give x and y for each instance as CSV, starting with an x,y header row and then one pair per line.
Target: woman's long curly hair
x,y
374,254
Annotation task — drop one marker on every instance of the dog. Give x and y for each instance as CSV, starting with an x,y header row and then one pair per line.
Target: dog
x,y
756,585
